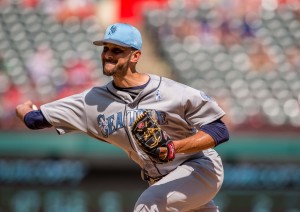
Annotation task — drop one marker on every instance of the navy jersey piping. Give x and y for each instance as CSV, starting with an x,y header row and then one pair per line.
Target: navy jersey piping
x,y
160,79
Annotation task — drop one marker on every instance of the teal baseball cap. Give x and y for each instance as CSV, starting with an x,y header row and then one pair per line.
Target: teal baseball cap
x,y
123,35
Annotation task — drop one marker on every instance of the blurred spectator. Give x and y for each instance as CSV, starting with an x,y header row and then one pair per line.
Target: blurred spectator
x,y
79,77
51,7
293,57
247,28
9,100
227,35
185,27
63,9
260,59
79,73
4,2
79,8
4,83
297,12
2,64
30,3
40,64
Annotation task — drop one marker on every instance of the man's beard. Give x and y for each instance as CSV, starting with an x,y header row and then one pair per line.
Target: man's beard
x,y
109,72
116,69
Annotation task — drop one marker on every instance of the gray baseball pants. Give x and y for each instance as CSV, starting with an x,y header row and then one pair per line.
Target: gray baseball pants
x,y
190,187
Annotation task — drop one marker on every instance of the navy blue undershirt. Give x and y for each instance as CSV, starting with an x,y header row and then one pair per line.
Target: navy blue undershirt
x,y
217,130
35,120
132,91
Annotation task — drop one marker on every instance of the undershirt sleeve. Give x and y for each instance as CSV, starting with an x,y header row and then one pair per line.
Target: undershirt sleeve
x,y
217,130
35,120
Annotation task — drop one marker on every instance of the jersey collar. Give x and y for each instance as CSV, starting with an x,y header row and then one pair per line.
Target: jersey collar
x,y
153,84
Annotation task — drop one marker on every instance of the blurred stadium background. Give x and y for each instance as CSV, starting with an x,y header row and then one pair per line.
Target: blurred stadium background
x,y
246,54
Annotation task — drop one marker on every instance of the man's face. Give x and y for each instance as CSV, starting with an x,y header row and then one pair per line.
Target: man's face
x,y
115,59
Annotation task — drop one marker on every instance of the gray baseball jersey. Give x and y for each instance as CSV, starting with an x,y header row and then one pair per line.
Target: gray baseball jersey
x,y
107,114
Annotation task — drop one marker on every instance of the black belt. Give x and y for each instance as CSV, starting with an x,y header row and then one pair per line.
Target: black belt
x,y
146,177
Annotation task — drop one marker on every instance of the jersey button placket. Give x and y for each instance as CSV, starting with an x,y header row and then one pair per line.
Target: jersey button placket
x,y
131,105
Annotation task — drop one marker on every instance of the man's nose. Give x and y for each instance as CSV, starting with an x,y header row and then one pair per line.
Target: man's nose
x,y
108,55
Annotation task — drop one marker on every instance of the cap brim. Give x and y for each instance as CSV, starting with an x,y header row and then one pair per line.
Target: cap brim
x,y
101,42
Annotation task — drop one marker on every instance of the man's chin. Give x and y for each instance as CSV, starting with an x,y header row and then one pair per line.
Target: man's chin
x,y
108,69
108,73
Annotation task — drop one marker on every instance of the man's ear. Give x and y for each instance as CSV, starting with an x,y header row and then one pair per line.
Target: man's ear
x,y
136,56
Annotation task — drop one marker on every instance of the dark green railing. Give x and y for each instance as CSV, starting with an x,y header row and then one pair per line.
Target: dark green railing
x,y
47,143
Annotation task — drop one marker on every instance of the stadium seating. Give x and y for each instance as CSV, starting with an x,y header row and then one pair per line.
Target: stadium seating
x,y
36,50
250,61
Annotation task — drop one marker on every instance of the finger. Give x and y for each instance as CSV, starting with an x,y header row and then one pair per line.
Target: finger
x,y
29,103
23,109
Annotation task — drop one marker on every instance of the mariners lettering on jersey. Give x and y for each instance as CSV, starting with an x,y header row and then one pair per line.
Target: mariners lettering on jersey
x,y
109,124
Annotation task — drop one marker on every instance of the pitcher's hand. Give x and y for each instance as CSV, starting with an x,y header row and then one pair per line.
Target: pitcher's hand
x,y
23,109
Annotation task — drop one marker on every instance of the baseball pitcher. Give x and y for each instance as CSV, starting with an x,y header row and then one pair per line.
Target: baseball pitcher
x,y
169,129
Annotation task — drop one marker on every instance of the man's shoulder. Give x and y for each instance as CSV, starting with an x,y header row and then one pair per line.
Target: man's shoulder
x,y
99,88
94,91
172,82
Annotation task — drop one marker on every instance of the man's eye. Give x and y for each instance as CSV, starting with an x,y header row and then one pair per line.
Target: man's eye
x,y
105,49
117,51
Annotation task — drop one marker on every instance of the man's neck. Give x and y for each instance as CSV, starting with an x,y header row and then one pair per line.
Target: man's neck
x,y
131,80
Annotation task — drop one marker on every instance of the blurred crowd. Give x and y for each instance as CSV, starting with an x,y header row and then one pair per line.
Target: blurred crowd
x,y
229,23
62,10
45,52
245,53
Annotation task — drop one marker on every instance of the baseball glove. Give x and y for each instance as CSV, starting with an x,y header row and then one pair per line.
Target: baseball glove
x,y
150,137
